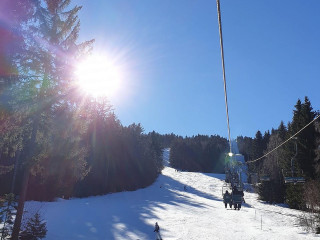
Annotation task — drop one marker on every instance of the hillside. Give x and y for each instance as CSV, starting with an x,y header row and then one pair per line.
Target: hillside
x,y
195,214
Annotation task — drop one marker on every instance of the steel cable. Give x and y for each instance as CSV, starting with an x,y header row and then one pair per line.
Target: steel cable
x,y
284,141
223,70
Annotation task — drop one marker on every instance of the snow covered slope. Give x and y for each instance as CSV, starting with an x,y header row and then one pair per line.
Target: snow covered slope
x,y
195,214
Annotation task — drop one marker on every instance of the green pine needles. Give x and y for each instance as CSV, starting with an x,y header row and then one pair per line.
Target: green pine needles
x,y
35,229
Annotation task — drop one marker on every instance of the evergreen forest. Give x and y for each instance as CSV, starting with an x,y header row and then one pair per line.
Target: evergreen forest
x,y
54,138
299,158
199,153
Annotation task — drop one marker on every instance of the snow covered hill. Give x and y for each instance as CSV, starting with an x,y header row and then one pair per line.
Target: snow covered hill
x,y
195,214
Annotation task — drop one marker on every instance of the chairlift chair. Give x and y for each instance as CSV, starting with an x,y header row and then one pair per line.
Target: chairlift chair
x,y
226,187
294,178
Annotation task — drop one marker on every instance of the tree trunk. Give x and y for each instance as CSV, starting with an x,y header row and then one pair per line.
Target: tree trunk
x,y
16,165
22,198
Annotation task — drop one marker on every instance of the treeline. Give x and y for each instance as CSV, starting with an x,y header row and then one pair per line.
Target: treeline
x,y
303,151
121,158
199,153
165,140
55,140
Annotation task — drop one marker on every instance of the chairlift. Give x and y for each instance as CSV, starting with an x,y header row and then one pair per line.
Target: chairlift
x,y
233,199
233,181
294,178
226,187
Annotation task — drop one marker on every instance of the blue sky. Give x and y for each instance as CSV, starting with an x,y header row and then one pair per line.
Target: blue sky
x,y
170,53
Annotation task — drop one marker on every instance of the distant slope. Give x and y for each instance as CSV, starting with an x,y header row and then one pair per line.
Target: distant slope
x,y
195,214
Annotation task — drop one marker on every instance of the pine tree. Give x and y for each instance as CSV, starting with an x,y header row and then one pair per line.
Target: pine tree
x,y
7,213
16,14
156,149
245,147
308,140
273,190
257,151
35,229
265,139
58,28
304,161
282,131
303,114
294,196
265,191
258,145
317,165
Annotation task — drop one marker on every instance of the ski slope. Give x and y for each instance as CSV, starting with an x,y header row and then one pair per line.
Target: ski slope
x,y
195,214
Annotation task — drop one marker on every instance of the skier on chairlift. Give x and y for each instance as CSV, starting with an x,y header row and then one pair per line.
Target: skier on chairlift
x,y
236,192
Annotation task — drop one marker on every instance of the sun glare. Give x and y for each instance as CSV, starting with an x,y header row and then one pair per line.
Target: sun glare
x,y
98,76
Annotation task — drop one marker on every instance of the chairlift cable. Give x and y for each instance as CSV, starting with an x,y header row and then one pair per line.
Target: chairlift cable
x,y
284,141
223,70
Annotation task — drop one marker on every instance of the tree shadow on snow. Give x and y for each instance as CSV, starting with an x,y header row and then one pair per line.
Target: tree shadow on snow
x,y
126,215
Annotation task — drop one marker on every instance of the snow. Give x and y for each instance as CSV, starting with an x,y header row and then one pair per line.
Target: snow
x,y
195,214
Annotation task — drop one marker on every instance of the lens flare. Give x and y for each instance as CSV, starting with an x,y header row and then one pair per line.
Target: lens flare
x,y
99,76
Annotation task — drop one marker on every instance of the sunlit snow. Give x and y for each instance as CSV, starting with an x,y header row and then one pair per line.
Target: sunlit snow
x,y
195,214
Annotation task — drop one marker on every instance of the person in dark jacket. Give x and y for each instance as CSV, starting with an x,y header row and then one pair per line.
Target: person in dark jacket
x,y
157,231
235,190
227,198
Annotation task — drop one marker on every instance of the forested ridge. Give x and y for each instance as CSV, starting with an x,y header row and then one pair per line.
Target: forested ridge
x,y
199,153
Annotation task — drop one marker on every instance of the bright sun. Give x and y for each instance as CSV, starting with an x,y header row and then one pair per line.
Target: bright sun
x,y
98,76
